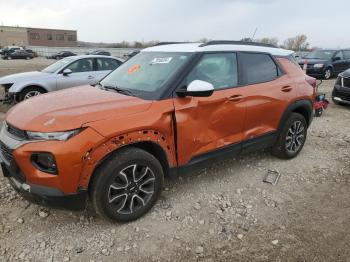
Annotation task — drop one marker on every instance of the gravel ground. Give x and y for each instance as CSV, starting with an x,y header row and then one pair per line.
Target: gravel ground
x,y
222,213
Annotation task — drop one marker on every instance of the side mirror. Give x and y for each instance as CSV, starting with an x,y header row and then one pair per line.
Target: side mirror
x,y
337,58
67,72
197,88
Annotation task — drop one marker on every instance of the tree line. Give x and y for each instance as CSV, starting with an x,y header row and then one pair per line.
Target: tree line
x,y
296,43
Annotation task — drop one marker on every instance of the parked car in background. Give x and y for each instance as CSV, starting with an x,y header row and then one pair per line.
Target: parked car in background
x,y
10,49
68,72
31,51
131,54
341,90
326,63
168,108
99,52
18,54
62,54
301,54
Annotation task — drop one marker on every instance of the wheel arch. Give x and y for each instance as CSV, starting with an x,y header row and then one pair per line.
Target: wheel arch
x,y
149,146
33,85
150,141
303,107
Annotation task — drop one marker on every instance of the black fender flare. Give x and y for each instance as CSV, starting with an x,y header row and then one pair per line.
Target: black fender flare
x,y
303,106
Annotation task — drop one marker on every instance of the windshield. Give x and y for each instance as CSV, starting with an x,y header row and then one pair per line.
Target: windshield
x,y
58,65
146,73
321,54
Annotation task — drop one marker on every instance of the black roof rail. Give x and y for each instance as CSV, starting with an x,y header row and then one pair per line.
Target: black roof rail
x,y
170,43
229,42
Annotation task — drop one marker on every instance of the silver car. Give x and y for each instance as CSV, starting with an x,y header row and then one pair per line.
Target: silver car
x,y
68,72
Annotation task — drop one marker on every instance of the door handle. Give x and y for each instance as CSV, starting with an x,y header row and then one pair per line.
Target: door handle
x,y
90,77
235,98
286,88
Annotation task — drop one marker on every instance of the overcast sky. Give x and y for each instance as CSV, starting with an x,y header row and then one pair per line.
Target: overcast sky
x,y
324,22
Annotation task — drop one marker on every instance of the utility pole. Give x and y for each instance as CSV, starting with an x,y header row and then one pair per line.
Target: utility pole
x,y
256,29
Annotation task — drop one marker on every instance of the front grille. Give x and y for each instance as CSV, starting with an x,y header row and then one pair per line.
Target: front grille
x,y
6,152
16,132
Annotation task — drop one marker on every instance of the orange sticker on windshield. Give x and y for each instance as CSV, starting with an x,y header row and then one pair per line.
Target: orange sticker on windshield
x,y
133,69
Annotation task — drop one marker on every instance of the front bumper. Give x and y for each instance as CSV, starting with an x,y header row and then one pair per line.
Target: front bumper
x,y
341,94
314,72
43,195
60,190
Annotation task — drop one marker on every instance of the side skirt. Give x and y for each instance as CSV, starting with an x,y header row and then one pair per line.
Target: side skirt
x,y
207,159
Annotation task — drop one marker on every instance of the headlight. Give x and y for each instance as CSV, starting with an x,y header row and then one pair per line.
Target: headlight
x,y
61,136
318,65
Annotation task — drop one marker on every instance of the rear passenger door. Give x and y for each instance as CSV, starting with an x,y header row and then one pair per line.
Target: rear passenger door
x,y
267,93
104,66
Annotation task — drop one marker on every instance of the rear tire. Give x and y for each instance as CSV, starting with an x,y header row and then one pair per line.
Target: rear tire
x,y
292,137
127,185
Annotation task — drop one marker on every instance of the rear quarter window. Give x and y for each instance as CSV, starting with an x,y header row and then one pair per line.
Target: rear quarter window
x,y
258,68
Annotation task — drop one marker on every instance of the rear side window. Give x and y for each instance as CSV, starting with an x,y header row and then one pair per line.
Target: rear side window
x,y
259,68
346,54
340,55
106,64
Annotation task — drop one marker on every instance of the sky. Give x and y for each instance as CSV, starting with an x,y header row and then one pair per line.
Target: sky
x,y
324,22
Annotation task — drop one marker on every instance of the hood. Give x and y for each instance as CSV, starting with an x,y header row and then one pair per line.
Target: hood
x,y
23,77
71,108
345,74
312,61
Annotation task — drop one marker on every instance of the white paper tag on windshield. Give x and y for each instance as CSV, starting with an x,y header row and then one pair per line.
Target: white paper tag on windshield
x,y
161,60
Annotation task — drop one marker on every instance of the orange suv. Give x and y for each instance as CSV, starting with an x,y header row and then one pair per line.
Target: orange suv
x,y
168,108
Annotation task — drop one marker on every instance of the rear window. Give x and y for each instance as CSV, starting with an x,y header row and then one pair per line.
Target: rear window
x,y
259,68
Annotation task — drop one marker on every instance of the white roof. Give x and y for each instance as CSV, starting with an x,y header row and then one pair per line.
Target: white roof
x,y
196,47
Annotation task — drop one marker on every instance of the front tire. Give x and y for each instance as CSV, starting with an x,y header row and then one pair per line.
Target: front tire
x,y
127,185
292,138
31,92
328,73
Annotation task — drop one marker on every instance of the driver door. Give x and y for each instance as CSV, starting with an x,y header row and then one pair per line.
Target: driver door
x,y
82,74
208,124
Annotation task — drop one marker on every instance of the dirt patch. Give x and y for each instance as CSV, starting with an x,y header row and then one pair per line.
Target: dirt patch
x,y
222,213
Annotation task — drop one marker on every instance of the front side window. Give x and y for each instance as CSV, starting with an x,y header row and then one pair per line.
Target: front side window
x,y
147,73
258,68
56,66
218,69
82,65
104,64
49,36
347,54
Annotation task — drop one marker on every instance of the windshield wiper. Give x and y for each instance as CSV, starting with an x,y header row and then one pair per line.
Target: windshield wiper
x,y
119,90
